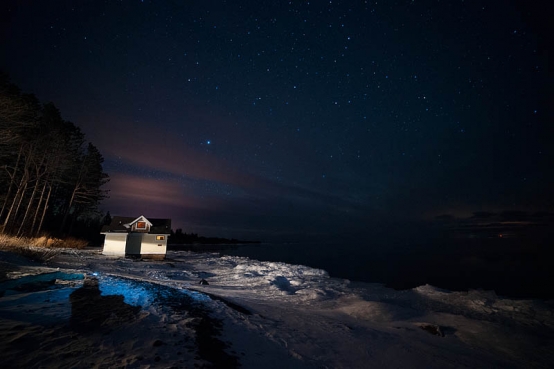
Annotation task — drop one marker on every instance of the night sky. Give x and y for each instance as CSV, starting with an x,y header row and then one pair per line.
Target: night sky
x,y
281,120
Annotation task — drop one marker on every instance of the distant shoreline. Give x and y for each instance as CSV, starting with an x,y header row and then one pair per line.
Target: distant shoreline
x,y
202,247
189,239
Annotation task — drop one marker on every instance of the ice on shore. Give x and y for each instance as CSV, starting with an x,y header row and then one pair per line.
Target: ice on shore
x,y
267,314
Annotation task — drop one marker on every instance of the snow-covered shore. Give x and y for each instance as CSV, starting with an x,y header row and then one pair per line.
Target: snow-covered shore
x,y
252,314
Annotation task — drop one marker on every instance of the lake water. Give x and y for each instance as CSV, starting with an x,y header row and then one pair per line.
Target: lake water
x,y
511,267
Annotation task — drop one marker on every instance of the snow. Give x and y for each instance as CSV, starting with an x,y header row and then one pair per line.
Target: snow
x,y
255,314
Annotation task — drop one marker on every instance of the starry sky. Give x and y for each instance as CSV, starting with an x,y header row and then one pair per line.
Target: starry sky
x,y
281,120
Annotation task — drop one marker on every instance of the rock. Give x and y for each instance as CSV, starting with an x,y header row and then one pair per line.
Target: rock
x,y
433,329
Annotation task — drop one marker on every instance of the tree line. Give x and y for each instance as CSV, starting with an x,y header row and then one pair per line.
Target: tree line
x,y
180,238
51,178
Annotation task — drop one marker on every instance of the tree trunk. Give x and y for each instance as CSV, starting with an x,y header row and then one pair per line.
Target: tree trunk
x,y
21,189
12,180
44,210
18,194
27,210
32,230
68,209
38,168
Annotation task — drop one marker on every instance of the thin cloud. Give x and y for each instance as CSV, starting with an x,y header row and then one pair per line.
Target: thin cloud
x,y
135,192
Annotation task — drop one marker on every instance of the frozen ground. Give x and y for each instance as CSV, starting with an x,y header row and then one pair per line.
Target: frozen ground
x,y
252,315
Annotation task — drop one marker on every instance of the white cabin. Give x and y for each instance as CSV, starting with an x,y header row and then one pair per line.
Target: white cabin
x,y
142,237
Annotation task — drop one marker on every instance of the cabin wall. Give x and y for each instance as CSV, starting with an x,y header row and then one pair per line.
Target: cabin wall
x,y
114,244
135,243
152,246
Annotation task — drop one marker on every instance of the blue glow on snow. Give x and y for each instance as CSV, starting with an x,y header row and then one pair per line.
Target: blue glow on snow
x,y
133,293
197,296
143,293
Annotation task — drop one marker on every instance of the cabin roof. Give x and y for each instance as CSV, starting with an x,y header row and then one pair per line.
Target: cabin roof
x,y
121,225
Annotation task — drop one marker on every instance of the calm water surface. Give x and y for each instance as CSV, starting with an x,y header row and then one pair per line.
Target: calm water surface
x,y
512,267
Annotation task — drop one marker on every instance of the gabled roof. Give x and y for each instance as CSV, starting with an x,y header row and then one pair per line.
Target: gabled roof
x,y
123,225
141,218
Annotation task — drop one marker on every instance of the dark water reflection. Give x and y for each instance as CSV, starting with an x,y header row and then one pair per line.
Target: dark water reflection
x,y
520,267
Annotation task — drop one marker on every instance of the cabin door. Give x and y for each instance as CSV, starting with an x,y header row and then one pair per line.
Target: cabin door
x,y
133,244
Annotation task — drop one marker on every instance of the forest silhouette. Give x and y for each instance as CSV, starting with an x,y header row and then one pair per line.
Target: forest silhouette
x,y
51,178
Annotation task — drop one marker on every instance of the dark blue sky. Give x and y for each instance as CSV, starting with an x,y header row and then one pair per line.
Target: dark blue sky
x,y
275,119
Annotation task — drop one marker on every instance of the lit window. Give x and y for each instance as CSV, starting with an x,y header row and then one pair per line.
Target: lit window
x,y
160,238
141,225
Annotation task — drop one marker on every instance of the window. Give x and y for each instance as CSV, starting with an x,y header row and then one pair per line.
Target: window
x,y
141,225
160,238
